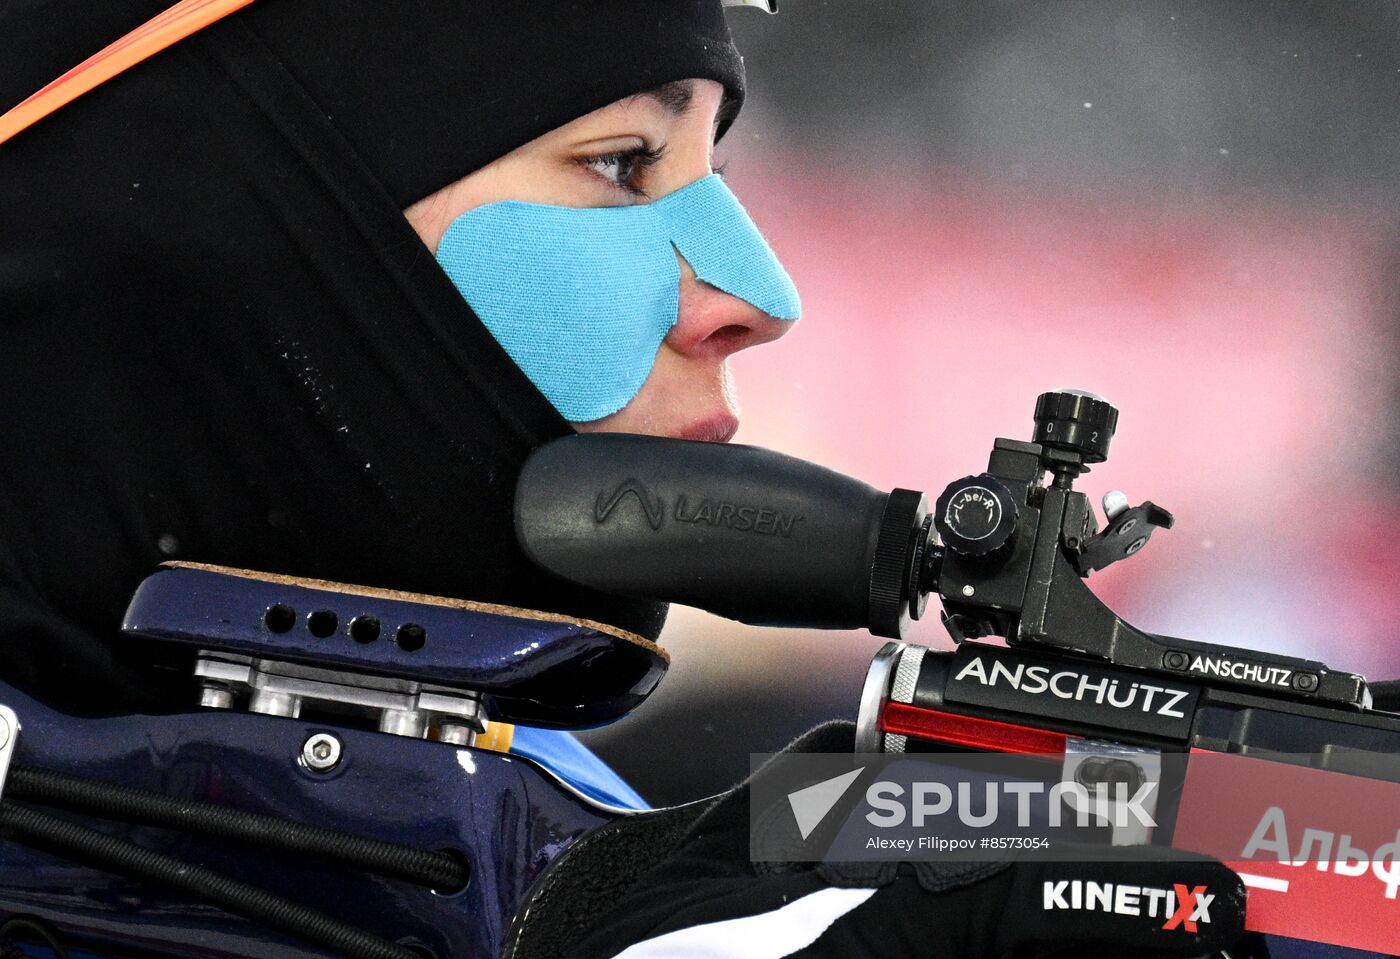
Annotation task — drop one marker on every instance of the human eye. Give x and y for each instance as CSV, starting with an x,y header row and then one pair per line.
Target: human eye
x,y
625,169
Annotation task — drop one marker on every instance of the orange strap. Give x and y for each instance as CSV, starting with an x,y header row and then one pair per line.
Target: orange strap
x,y
153,36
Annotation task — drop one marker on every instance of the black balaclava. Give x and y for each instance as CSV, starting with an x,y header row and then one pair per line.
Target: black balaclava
x,y
221,341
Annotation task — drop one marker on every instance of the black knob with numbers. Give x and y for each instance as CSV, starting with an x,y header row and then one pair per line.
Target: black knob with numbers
x,y
1077,421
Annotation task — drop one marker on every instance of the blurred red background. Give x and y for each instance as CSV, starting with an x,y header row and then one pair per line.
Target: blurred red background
x,y
1244,325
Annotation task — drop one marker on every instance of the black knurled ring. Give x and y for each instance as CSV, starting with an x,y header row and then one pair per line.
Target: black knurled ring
x,y
887,608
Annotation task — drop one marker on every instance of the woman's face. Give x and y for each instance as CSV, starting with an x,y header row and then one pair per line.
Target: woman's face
x,y
633,151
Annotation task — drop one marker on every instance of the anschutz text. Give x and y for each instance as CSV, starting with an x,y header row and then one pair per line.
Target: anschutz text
x,y
1072,684
1241,670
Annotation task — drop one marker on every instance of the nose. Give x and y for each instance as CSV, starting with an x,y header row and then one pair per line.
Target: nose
x,y
712,324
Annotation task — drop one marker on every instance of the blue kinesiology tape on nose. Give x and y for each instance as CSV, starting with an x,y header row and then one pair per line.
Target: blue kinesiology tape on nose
x,y
582,298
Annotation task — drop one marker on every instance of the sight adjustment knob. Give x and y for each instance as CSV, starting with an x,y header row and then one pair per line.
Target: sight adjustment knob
x,y
976,516
1077,421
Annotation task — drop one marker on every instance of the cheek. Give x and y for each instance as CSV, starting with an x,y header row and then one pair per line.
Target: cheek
x,y
525,175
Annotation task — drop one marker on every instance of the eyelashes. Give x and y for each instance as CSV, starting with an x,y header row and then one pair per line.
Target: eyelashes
x,y
625,169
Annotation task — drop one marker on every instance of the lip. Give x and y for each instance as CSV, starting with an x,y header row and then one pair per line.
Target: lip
x,y
719,428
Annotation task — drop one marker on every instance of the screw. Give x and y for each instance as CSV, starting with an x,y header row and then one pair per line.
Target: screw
x,y
1135,545
1305,682
968,590
1174,660
1127,527
321,752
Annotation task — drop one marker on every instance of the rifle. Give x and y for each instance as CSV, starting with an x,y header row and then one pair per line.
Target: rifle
x,y
1293,775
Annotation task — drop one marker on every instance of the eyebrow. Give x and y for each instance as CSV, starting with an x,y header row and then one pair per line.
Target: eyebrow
x,y
675,96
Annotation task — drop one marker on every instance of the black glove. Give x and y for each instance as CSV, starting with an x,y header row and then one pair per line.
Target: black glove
x,y
707,898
